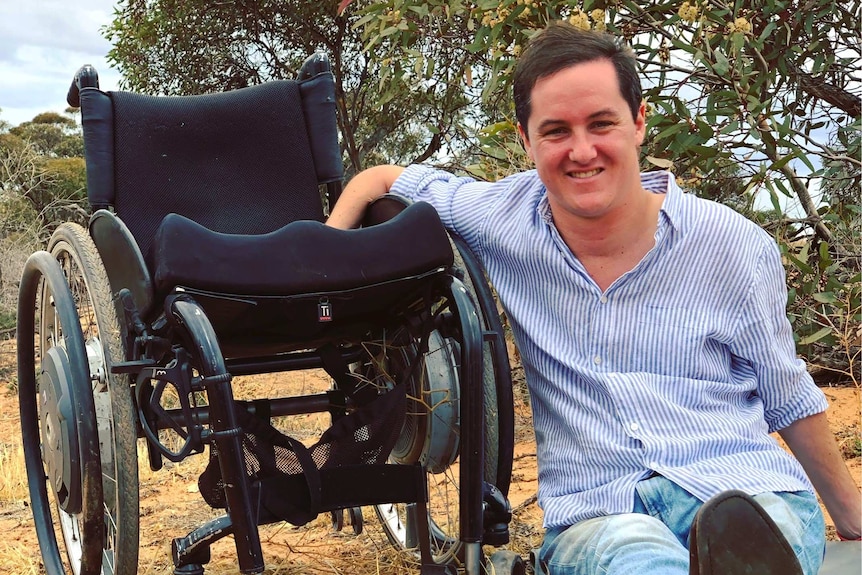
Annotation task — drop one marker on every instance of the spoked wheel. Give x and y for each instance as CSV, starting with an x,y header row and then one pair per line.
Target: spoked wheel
x,y
77,417
431,436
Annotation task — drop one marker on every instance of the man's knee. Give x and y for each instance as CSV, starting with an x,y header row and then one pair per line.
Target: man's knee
x,y
801,521
625,543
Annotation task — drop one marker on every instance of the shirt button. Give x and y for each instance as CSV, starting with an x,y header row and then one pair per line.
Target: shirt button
x,y
634,426
604,299
597,360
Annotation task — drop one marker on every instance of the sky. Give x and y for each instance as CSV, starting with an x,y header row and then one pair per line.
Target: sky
x,y
42,45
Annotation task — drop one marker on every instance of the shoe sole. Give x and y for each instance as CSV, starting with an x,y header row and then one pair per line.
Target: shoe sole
x,y
733,535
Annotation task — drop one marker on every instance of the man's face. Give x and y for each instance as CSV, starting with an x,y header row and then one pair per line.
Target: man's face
x,y
583,140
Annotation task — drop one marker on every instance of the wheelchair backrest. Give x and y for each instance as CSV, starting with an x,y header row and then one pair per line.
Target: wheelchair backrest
x,y
247,161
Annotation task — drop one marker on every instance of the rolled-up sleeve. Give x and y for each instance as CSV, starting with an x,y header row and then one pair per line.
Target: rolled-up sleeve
x,y
764,340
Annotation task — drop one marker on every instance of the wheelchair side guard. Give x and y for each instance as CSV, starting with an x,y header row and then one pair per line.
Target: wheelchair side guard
x,y
123,260
66,423
493,335
472,443
185,314
384,209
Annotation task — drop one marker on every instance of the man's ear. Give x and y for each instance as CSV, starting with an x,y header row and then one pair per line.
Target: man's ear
x,y
640,123
525,140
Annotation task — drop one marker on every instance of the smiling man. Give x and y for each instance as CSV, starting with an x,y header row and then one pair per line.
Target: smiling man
x,y
653,334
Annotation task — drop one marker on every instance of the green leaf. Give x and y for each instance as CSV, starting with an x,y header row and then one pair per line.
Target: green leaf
x,y
782,162
825,256
825,297
720,65
816,336
799,264
670,131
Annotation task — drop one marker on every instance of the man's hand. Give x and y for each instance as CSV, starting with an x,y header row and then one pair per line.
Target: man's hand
x,y
814,446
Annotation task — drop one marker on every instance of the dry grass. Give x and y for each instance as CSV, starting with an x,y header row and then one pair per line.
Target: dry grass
x,y
13,479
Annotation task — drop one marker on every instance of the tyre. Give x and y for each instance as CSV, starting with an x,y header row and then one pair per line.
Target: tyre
x,y
432,429
111,403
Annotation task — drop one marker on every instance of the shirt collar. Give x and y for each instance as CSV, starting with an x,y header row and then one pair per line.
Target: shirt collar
x,y
664,182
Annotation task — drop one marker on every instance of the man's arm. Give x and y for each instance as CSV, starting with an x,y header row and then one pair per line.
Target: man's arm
x,y
814,446
364,188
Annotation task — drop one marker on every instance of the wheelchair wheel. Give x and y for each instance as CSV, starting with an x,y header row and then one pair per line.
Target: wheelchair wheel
x,y
112,406
431,436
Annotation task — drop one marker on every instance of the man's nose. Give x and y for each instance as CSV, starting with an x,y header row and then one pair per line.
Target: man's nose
x,y
581,149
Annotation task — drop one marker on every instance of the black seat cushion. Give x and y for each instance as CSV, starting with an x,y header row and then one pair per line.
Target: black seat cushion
x,y
302,257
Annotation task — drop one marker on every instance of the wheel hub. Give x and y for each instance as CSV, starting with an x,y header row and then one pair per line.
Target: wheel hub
x,y
60,449
431,430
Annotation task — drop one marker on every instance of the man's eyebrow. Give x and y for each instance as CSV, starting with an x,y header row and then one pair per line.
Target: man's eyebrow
x,y
603,113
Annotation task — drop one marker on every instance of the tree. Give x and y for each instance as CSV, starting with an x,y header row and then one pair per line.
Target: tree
x,y
42,176
198,46
42,183
52,134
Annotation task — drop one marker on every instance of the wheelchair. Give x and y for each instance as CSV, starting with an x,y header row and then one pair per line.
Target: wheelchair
x,y
206,258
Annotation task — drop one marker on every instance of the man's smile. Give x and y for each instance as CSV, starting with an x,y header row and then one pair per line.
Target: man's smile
x,y
584,175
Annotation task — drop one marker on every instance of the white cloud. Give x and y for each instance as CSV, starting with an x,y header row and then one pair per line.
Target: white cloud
x,y
42,45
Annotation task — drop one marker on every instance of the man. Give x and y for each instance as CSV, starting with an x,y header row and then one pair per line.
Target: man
x,y
653,333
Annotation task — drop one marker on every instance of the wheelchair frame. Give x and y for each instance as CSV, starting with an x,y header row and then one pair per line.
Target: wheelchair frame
x,y
104,364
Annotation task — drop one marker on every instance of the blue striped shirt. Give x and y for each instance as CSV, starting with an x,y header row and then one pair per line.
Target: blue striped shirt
x,y
683,366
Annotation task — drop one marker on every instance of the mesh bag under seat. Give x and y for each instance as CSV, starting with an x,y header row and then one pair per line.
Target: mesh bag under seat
x,y
289,472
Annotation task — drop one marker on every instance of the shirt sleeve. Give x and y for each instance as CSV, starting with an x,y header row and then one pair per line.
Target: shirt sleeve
x,y
462,202
764,340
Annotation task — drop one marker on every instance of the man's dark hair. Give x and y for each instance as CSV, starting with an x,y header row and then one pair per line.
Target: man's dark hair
x,y
561,45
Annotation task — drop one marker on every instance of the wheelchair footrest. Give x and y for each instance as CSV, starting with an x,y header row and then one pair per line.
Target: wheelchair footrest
x,y
344,487
341,487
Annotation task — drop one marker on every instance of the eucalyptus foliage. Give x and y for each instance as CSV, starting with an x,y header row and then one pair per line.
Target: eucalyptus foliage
x,y
745,99
200,46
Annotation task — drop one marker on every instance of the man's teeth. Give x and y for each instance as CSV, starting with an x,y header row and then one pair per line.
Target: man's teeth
x,y
589,174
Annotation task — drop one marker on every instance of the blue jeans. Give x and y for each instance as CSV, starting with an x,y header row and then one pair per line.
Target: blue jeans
x,y
654,538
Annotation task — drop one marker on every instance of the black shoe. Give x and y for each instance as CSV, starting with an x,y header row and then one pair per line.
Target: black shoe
x,y
732,535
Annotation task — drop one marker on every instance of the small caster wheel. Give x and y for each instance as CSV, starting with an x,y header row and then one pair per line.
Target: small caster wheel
x,y
505,562
355,514
337,517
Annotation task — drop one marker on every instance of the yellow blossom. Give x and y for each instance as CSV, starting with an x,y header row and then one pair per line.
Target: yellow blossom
x,y
580,20
598,17
688,12
741,25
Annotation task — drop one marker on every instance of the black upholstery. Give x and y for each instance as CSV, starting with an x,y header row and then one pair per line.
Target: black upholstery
x,y
235,162
302,257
